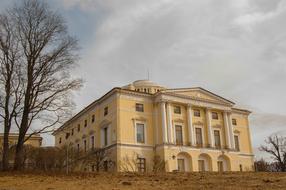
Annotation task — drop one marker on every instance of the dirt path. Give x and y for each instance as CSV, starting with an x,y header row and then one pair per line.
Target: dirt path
x,y
13,181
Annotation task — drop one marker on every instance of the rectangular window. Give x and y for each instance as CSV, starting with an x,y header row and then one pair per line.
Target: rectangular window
x,y
85,123
181,164
177,109
105,136
140,135
217,138
78,127
197,113
77,148
105,111
139,107
92,142
236,142
220,166
67,135
72,131
141,164
179,134
60,141
92,118
84,143
202,166
234,122
215,115
199,137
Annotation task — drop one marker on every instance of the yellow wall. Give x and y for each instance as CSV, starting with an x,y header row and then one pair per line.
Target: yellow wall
x,y
122,116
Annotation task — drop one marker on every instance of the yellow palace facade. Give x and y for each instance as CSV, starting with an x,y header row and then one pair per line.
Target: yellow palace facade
x,y
189,129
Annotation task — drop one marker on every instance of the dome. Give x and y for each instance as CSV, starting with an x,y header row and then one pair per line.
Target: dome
x,y
144,83
146,86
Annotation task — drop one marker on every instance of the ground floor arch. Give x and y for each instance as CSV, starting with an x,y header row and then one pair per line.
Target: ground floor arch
x,y
204,162
184,162
223,163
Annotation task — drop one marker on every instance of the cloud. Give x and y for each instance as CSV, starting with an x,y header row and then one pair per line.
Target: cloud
x,y
233,48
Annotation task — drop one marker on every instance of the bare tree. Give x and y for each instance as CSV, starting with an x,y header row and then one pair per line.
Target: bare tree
x,y
48,54
276,146
261,166
11,92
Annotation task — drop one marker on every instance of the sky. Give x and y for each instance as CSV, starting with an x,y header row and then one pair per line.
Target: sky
x,y
234,48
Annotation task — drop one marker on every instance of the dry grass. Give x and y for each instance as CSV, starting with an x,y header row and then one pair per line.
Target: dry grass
x,y
79,181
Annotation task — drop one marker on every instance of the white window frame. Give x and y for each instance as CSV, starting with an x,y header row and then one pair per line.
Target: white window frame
x,y
135,131
239,144
220,137
203,134
183,131
102,140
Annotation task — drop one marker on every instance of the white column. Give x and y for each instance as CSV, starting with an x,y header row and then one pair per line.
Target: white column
x,y
164,123
230,131
190,125
169,123
209,126
226,127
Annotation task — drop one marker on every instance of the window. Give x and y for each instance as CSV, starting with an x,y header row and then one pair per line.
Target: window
x,y
72,131
60,141
179,134
202,166
141,164
234,122
84,142
67,135
181,164
92,118
197,113
78,127
92,142
139,107
240,167
105,111
215,115
199,137
220,166
217,138
140,133
77,148
105,133
236,143
177,109
85,123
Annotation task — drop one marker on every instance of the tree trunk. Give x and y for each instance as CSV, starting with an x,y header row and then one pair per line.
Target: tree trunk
x,y
18,162
5,156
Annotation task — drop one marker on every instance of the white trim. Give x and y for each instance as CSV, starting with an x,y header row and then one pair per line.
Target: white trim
x,y
169,123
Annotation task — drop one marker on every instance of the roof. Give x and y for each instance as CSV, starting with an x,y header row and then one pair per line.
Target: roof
x,y
138,83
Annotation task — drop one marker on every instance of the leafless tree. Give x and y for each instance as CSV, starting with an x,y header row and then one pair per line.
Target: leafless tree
x,y
276,146
158,164
261,166
48,54
11,91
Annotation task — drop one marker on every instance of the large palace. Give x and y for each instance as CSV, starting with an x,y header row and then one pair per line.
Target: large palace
x,y
188,129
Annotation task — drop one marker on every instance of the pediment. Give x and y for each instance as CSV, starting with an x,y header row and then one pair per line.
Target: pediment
x,y
200,94
104,123
178,120
139,119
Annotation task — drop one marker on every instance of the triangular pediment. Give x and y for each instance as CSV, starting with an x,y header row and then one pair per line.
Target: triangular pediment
x,y
199,94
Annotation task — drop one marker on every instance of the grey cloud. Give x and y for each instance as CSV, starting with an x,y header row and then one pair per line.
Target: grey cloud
x,y
233,48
